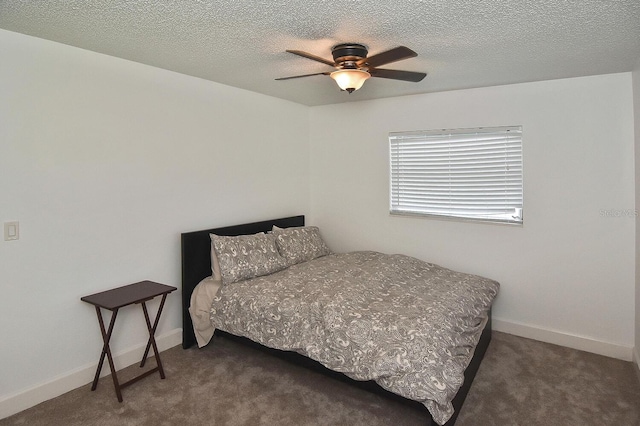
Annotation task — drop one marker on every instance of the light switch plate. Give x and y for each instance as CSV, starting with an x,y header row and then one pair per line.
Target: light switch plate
x,y
11,231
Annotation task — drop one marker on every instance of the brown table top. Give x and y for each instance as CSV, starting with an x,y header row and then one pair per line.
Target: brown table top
x,y
128,294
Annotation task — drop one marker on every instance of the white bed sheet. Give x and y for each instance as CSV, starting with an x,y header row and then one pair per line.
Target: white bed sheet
x,y
200,309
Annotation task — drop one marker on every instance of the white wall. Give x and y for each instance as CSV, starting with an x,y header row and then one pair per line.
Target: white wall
x,y
567,275
104,163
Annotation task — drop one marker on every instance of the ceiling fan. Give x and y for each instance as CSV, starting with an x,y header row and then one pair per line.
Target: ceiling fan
x,y
353,66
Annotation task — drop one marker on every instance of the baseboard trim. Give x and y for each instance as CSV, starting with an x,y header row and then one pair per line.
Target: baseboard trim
x,y
611,350
636,360
64,383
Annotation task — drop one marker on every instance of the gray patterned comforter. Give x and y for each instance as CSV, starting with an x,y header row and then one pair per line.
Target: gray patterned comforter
x,y
409,325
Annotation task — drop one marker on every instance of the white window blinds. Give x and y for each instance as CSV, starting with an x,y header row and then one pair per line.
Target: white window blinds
x,y
467,173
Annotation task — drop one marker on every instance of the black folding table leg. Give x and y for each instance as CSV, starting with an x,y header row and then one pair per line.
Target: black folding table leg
x,y
152,340
152,331
106,337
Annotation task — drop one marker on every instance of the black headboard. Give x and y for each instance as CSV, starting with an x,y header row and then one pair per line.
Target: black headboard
x,y
196,260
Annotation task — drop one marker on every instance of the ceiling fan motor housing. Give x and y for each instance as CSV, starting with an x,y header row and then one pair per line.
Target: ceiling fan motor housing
x,y
348,53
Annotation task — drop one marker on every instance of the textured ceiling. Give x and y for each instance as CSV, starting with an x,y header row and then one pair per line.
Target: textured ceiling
x,y
460,43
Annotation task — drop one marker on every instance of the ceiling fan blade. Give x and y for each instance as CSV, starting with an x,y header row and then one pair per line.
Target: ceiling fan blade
x,y
305,75
396,54
312,57
398,75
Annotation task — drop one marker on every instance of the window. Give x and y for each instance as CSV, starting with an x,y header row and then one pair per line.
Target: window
x,y
473,174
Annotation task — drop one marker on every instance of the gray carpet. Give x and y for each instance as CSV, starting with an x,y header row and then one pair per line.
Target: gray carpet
x,y
521,382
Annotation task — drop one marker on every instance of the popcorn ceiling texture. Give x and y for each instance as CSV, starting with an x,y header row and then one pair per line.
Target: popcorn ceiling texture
x,y
460,43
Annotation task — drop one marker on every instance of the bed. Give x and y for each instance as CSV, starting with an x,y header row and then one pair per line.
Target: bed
x,y
392,369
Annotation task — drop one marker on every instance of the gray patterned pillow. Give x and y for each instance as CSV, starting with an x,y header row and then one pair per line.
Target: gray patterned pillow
x,y
247,256
300,244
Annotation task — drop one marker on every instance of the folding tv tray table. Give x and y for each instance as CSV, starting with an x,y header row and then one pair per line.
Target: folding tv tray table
x,y
113,300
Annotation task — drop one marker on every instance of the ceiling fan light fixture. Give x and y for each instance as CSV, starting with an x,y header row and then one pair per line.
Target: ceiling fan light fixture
x,y
350,79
